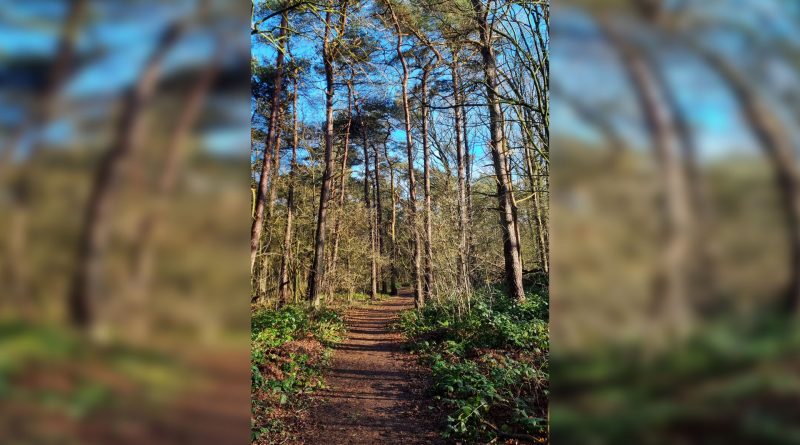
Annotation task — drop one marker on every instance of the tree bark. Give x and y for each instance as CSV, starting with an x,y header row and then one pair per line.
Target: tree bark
x,y
285,294
508,222
393,222
379,217
265,272
318,262
343,180
84,287
532,172
461,167
419,296
671,281
373,289
173,161
428,238
780,151
258,218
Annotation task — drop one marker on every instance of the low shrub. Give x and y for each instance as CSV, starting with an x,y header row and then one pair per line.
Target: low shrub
x,y
489,364
288,352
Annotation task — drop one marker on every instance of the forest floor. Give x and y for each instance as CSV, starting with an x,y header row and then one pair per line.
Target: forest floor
x,y
376,392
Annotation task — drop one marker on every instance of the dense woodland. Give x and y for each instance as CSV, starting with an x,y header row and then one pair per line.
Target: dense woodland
x,y
675,286
432,126
402,147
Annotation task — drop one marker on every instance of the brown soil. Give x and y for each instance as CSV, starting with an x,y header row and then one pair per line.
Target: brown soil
x,y
376,392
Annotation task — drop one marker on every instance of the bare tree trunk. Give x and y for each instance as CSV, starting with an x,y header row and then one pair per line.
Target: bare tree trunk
x,y
428,264
468,179
508,222
379,216
533,172
393,222
283,280
701,276
419,296
343,181
462,190
318,262
671,285
16,255
143,260
112,169
368,206
266,244
258,219
780,151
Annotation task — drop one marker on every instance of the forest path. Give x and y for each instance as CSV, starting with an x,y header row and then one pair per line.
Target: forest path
x,y
376,391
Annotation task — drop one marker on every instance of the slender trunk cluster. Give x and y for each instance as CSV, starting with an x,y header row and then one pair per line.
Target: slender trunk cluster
x,y
342,180
373,288
505,194
428,264
284,291
257,227
402,239
92,240
671,285
462,179
318,261
412,181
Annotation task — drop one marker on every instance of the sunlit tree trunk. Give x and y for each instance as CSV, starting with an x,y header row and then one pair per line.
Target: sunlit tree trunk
x,y
508,222
143,256
671,281
318,261
379,216
373,288
419,296
84,287
780,151
257,227
284,292
428,263
343,176
265,272
461,167
393,223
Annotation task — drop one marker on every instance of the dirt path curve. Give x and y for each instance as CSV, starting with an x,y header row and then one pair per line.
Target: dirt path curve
x,y
375,390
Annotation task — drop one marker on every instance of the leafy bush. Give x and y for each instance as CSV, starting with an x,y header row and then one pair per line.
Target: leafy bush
x,y
489,363
288,353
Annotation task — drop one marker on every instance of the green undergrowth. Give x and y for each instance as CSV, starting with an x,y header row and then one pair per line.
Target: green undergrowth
x,y
59,372
732,382
489,364
290,347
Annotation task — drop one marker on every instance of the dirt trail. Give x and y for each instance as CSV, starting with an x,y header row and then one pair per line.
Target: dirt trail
x,y
375,390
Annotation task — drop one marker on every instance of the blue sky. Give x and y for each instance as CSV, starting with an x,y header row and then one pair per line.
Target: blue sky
x,y
120,37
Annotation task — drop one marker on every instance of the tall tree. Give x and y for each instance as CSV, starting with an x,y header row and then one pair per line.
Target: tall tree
x,y
257,226
672,285
373,288
84,287
461,149
343,175
412,181
505,197
283,278
328,56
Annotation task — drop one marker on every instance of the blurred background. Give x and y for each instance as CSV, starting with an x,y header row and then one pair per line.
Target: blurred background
x,y
676,222
124,144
